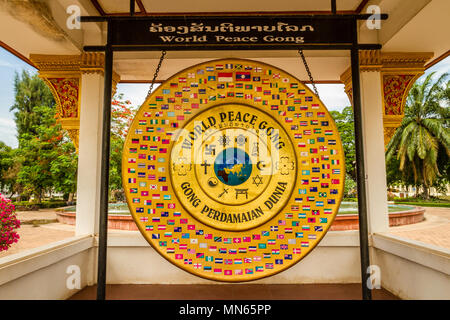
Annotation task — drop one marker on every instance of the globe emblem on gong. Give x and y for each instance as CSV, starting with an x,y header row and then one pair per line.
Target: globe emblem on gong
x,y
233,166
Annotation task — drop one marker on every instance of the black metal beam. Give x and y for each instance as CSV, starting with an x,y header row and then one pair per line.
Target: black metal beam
x,y
360,168
104,179
364,16
368,46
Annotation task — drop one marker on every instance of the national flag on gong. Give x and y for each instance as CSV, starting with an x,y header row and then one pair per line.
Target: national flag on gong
x,y
243,76
225,77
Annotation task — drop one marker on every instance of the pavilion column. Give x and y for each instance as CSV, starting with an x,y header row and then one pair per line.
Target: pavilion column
x,y
372,124
374,151
90,155
384,87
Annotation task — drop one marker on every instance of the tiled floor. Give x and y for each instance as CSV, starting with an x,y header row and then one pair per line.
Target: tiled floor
x,y
233,292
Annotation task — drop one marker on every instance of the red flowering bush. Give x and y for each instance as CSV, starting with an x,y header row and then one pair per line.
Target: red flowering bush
x,y
8,224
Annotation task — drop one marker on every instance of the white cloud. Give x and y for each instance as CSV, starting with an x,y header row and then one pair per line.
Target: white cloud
x,y
8,132
6,64
439,68
333,96
135,92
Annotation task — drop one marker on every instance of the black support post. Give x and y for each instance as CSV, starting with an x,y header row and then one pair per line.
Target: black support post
x,y
132,7
104,182
333,6
360,167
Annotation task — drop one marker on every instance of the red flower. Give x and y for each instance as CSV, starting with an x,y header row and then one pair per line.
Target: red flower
x,y
9,223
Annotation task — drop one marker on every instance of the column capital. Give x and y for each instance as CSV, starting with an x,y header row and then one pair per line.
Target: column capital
x,y
92,62
405,60
63,74
370,60
49,64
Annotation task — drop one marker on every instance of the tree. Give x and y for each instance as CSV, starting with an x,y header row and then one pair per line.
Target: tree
x,y
6,162
122,114
45,160
37,152
424,134
345,126
64,169
30,91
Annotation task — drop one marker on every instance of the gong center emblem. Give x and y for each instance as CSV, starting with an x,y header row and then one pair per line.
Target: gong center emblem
x,y
233,167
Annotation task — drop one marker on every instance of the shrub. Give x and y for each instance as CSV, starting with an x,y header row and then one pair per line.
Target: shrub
x,y
33,206
8,224
26,206
53,204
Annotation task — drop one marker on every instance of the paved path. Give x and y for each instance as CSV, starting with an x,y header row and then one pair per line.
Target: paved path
x,y
36,236
434,230
42,214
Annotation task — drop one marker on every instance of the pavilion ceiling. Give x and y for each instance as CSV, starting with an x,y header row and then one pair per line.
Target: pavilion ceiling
x,y
152,7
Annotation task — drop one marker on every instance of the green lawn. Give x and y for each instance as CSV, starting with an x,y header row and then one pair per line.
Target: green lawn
x,y
443,202
427,204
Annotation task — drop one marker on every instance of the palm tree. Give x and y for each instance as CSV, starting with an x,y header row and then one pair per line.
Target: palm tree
x,y
424,131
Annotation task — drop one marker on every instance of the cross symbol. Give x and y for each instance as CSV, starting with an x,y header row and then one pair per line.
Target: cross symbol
x,y
205,165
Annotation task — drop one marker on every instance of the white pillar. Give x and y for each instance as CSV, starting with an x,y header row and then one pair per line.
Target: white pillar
x,y
89,156
373,137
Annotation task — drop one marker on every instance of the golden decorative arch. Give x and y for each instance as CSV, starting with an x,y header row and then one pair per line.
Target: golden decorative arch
x,y
62,74
398,72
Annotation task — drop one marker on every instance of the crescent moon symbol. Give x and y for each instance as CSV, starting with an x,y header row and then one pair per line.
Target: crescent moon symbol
x,y
258,165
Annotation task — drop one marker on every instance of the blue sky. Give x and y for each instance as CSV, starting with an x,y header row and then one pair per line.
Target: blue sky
x,y
9,64
332,95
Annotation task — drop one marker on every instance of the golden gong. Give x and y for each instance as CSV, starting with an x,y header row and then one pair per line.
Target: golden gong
x,y
233,170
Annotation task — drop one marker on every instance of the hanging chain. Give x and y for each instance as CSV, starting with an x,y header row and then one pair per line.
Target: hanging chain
x,y
155,75
300,51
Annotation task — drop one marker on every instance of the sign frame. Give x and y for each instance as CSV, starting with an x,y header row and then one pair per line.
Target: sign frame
x,y
216,32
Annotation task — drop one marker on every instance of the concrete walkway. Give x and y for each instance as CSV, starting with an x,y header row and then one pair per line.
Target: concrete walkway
x,y
42,214
435,229
36,236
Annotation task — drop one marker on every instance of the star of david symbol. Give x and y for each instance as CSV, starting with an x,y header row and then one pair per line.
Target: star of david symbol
x,y
182,167
257,180
285,166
